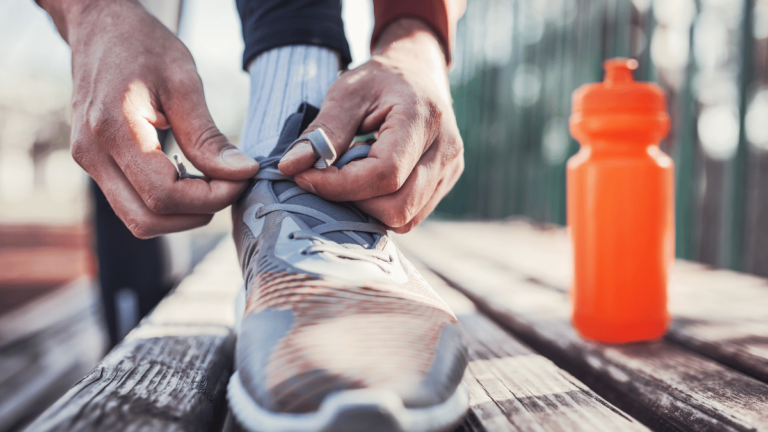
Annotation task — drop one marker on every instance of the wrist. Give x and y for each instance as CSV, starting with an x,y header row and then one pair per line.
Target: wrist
x,y
413,36
67,14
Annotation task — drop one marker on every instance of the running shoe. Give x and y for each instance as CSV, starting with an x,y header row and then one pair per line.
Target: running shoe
x,y
337,330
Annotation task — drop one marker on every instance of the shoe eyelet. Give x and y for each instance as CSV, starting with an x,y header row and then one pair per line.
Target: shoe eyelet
x,y
303,252
291,236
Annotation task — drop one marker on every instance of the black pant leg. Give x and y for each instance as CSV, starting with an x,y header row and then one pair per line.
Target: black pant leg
x,y
132,272
269,24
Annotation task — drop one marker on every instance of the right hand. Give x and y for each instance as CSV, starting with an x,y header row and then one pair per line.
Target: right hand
x,y
132,75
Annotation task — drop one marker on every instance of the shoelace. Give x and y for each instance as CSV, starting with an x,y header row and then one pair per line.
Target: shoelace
x,y
320,244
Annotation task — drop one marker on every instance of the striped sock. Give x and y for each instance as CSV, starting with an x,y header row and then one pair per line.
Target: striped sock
x,y
281,79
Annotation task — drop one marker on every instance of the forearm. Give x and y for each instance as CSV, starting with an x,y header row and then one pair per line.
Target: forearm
x,y
408,43
66,13
410,35
440,16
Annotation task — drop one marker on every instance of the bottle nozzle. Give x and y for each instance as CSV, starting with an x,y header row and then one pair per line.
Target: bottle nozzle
x,y
619,70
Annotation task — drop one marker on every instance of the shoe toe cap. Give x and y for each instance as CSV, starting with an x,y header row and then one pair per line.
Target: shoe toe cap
x,y
290,368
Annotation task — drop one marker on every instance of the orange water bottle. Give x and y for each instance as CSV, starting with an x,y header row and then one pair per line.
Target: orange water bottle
x,y
620,208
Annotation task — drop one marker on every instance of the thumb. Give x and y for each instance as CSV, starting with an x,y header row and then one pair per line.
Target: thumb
x,y
339,119
199,138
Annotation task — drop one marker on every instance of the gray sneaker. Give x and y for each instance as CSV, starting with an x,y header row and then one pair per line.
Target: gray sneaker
x,y
338,330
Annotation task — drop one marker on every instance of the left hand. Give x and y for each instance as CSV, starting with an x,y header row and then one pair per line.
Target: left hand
x,y
403,93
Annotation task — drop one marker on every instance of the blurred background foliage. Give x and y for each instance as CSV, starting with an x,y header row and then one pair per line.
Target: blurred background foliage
x,y
517,62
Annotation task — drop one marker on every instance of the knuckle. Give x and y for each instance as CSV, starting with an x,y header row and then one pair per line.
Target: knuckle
x,y
184,80
140,228
82,151
388,181
394,219
157,203
210,135
431,111
453,150
459,168
405,229
103,123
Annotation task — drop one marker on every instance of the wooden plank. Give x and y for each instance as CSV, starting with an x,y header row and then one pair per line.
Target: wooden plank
x,y
59,305
723,315
661,384
514,388
67,236
40,257
719,313
50,266
43,351
170,373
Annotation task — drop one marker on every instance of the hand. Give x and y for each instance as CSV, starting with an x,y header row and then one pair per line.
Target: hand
x,y
403,93
132,75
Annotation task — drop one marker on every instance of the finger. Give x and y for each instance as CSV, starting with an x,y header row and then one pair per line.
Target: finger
x,y
344,107
397,209
442,190
401,143
198,137
156,180
134,147
132,210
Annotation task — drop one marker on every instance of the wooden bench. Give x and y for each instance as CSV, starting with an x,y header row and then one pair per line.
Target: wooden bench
x,y
169,373
519,276
528,371
45,345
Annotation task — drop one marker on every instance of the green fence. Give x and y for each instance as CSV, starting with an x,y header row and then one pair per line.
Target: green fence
x,y
518,61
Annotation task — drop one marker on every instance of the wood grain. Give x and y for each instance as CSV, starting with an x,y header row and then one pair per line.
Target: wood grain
x,y
719,313
45,347
663,385
514,388
723,315
170,373
57,306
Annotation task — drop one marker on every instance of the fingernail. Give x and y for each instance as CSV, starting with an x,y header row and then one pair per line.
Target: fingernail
x,y
307,186
299,150
300,157
236,159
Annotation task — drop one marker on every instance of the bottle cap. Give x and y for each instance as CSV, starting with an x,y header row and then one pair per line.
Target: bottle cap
x,y
619,102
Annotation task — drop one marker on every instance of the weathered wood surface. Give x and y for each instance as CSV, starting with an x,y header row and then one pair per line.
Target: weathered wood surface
x,y
665,386
170,373
719,313
723,315
514,388
45,347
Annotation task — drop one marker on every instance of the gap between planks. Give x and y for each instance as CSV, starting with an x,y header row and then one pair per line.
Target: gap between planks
x,y
718,313
514,388
170,373
663,385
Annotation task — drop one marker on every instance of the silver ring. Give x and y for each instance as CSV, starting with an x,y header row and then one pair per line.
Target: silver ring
x,y
321,146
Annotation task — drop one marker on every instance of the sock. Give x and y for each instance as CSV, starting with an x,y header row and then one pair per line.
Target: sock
x,y
281,79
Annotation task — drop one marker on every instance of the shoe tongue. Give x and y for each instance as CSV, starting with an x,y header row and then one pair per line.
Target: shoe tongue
x,y
294,125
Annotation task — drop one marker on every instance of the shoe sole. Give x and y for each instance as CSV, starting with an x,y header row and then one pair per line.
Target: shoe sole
x,y
350,410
